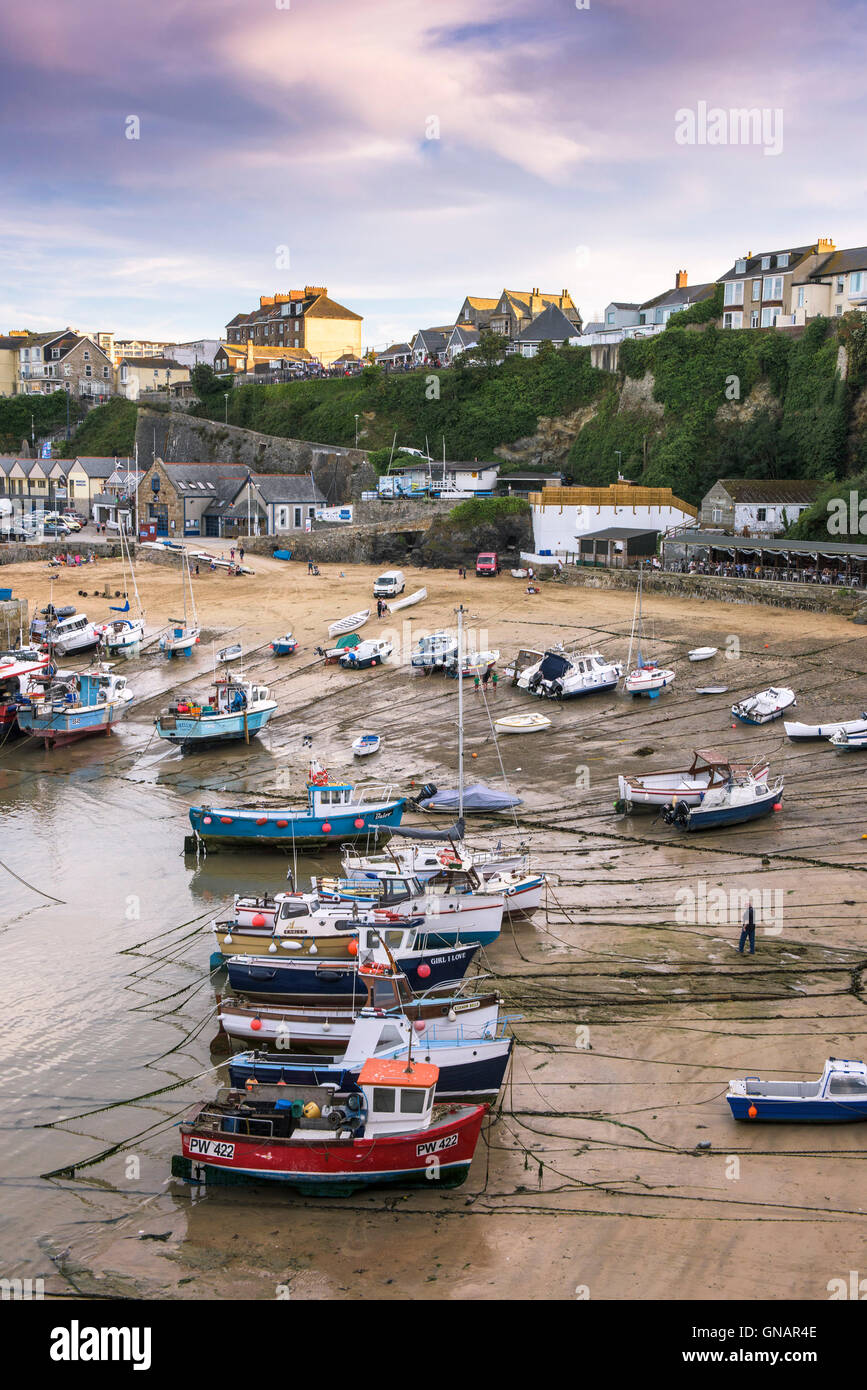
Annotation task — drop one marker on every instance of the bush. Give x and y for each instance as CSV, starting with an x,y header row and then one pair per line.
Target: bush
x,y
48,414
476,511
107,429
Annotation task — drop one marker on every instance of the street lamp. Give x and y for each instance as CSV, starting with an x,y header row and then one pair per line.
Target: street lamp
x,y
227,407
618,454
356,431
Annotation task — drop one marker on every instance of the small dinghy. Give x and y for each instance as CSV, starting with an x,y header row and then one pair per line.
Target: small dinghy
x,y
702,653
767,705
711,689
648,680
847,743
229,653
365,745
521,724
839,1096
797,732
408,601
349,624
285,645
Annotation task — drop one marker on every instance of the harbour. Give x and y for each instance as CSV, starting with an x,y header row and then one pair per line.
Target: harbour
x,y
632,1007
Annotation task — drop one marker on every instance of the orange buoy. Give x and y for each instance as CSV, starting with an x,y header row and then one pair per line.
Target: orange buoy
x,y
778,805
752,1112
258,920
359,823
475,755
352,948
256,1024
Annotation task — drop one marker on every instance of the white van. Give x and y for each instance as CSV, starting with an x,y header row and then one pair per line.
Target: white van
x,y
389,585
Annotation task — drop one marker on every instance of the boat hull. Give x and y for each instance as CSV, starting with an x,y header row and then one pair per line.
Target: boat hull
x,y
473,1072
803,732
652,792
327,980
790,1110
58,729
323,1028
700,819
336,1167
269,829
213,728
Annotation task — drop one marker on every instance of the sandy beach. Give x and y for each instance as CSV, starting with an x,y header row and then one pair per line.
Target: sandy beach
x,y
612,1168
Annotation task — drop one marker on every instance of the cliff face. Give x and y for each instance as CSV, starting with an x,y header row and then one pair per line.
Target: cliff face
x,y
548,447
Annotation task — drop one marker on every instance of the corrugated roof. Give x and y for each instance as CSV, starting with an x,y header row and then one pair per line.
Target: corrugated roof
x,y
780,490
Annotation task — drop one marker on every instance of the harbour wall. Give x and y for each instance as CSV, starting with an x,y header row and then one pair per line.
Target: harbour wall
x,y
817,598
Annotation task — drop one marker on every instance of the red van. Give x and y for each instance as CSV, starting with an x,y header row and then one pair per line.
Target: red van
x,y
488,563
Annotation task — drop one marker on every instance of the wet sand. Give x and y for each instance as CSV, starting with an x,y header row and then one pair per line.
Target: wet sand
x,y
630,1018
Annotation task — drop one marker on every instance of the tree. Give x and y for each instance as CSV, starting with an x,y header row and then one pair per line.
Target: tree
x,y
205,380
490,349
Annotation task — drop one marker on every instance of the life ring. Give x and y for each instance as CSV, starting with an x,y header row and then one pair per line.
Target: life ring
x,y
448,856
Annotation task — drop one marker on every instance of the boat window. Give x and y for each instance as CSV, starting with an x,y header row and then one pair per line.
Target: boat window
x,y
848,1086
412,1101
383,1100
383,993
394,938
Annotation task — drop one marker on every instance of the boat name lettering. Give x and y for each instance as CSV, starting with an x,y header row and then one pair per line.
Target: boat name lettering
x,y
211,1148
436,1146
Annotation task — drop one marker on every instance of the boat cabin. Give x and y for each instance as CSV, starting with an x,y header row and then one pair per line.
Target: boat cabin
x,y
322,798
18,677
398,1094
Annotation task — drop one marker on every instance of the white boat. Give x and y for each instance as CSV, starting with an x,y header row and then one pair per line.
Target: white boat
x,y
476,663
521,724
371,653
436,651
845,726
219,562
525,658
366,744
63,635
349,624
646,677
408,601
229,653
766,705
702,653
564,674
707,769
184,632
848,743
422,858
123,635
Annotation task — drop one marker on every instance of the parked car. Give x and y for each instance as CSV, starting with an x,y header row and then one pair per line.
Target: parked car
x,y
56,528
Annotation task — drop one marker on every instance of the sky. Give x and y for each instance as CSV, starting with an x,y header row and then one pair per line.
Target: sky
x,y
406,153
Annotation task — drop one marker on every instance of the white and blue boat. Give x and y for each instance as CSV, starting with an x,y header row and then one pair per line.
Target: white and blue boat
x,y
471,1068
75,707
335,812
320,980
838,1097
457,906
235,709
285,645
741,799
767,705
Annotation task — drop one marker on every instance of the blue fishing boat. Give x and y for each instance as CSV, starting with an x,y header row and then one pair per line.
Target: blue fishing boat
x,y
285,645
335,812
75,707
235,709
741,799
321,980
839,1096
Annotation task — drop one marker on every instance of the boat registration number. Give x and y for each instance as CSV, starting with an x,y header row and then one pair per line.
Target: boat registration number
x,y
211,1148
436,1146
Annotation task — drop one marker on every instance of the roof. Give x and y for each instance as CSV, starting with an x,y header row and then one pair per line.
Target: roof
x,y
795,254
621,304
287,487
395,350
214,480
325,308
839,262
687,294
618,533
771,490
154,362
432,338
96,467
482,304
551,324
754,545
398,1072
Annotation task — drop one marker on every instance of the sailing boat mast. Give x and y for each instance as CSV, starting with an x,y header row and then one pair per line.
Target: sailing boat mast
x,y
460,712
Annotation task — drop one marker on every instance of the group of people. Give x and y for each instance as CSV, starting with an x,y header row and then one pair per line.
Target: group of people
x,y
810,575
312,568
381,608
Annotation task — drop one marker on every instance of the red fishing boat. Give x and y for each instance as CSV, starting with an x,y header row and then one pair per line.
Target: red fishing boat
x,y
322,1140
18,676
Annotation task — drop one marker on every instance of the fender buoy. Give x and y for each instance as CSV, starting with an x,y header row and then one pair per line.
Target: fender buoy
x,y
262,820
258,920
448,856
225,820
206,820
423,971
282,824
256,1024
326,827
359,823
752,1112
352,948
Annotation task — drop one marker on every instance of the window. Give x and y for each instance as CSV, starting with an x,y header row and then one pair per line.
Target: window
x,y
86,355
839,310
766,262
311,512
757,289
856,280
37,353
754,319
88,371
105,371
716,515
734,292
773,287
55,352
609,317
769,317
383,1100
732,320
761,513
839,285
411,1101
802,296
297,516
783,261
740,267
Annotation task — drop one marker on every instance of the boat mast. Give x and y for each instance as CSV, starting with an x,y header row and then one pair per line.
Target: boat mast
x,y
460,711
635,613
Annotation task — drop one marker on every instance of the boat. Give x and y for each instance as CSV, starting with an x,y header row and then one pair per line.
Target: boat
x,y
562,674
317,979
123,635
646,677
767,705
293,922
428,852
220,562
335,811
454,903
522,724
366,744
469,1068
349,624
711,689
518,664
848,742
324,1027
184,632
839,1096
19,678
231,653
741,799
475,799
708,768
76,706
235,709
407,602
797,732
285,645
371,653
475,663
435,652
324,1141
64,632
702,653
343,644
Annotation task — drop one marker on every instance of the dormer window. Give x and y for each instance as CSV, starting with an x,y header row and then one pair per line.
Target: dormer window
x,y
783,261
740,267
766,262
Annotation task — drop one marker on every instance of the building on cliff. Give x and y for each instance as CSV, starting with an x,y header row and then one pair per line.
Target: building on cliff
x,y
307,320
756,506
565,516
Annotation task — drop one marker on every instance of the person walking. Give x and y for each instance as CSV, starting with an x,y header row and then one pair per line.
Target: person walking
x,y
748,930
232,554
241,554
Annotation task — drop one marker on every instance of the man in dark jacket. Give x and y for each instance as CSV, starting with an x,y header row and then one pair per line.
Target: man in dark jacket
x,y
748,930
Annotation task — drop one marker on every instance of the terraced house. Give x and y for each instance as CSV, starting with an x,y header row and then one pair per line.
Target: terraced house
x,y
64,361
306,320
785,288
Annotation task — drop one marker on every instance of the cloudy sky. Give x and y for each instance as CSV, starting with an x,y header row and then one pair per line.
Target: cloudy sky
x,y
406,153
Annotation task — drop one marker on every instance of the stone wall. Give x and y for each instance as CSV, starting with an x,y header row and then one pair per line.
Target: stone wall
x,y
712,589
18,553
13,620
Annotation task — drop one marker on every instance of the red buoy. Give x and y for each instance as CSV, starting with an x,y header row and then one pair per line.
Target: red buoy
x,y
423,971
352,948
259,920
419,1025
206,820
256,1024
778,805
261,820
226,820
359,823
752,1112
326,826
282,824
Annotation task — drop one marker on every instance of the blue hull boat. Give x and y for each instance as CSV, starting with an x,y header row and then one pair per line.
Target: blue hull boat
x,y
224,728
258,975
838,1097
470,1070
333,815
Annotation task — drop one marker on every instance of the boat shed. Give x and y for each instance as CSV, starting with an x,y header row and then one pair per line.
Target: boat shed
x,y
616,545
810,561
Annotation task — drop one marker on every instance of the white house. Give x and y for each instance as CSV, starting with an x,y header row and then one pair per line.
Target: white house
x,y
756,506
563,516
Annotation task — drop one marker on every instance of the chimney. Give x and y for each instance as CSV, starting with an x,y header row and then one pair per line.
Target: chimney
x,y
265,301
824,245
680,280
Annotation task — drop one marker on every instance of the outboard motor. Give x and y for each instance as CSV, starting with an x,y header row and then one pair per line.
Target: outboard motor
x,y
678,814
